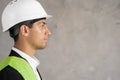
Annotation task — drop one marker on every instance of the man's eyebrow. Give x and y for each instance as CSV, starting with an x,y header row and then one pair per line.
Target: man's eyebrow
x,y
44,22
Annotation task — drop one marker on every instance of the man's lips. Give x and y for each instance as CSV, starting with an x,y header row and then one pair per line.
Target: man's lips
x,y
45,38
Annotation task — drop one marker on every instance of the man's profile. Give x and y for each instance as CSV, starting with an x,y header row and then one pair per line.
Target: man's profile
x,y
25,20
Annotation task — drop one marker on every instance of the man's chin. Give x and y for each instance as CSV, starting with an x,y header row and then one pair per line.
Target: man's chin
x,y
41,47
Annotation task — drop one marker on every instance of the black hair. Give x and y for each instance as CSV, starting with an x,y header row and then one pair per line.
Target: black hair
x,y
14,31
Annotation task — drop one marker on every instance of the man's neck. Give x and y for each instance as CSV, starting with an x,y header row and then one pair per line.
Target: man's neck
x,y
28,50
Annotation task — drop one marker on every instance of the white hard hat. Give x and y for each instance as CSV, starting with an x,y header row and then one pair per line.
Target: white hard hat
x,y
21,10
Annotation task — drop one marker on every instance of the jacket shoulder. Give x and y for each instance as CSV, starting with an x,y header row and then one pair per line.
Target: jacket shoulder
x,y
9,73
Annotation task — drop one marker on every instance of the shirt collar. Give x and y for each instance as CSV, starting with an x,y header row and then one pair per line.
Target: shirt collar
x,y
33,61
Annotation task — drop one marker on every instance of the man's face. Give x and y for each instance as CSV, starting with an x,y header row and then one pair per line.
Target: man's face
x,y
38,35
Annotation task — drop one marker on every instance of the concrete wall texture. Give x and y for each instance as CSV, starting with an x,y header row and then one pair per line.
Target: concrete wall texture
x,y
85,40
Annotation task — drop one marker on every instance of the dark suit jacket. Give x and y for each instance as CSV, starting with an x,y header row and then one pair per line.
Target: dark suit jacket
x,y
9,73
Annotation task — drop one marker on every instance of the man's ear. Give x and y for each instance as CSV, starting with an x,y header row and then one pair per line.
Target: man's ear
x,y
24,30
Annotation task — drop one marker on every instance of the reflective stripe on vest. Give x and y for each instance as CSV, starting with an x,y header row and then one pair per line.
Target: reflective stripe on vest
x,y
21,65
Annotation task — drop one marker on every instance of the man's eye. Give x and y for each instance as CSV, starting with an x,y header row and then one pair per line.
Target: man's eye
x,y
42,26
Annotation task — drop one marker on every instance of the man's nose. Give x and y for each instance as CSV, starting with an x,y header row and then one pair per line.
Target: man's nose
x,y
48,31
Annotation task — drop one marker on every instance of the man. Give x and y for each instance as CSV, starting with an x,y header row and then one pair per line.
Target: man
x,y
26,22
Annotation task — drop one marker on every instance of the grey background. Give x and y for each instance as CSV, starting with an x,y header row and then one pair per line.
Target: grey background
x,y
85,40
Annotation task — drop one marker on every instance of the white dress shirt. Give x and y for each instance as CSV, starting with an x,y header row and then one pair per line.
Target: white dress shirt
x,y
33,61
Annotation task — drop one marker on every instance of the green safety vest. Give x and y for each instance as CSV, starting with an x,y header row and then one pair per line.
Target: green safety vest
x,y
21,65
